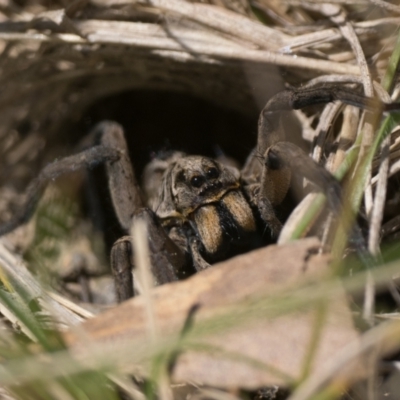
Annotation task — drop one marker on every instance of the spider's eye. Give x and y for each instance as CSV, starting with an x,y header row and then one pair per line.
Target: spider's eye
x,y
212,173
197,181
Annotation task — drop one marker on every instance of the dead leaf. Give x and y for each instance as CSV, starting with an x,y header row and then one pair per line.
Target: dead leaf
x,y
243,348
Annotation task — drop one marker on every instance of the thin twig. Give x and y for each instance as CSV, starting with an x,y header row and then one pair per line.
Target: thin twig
x,y
394,169
197,48
347,30
379,199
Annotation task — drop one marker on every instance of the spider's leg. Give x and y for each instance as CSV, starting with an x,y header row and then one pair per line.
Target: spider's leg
x,y
88,158
272,164
284,154
269,131
199,262
121,267
259,196
125,192
166,258
282,159
268,215
291,158
111,150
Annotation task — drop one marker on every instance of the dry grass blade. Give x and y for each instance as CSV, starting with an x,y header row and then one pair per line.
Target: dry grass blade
x,y
339,17
183,43
145,278
225,21
20,279
380,198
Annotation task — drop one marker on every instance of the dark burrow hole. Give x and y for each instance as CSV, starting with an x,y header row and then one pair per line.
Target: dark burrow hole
x,y
160,120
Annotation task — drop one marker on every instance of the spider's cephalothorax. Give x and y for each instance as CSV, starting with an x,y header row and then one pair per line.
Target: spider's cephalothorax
x,y
197,209
206,197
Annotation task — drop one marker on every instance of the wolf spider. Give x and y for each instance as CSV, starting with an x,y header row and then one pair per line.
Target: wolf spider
x,y
199,210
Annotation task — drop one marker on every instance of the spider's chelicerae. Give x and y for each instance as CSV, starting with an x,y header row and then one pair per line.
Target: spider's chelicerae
x,y
199,210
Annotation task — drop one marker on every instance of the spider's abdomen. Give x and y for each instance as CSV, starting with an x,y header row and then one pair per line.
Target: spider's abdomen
x,y
224,224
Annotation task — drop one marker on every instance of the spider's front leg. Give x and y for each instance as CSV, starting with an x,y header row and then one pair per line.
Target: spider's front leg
x,y
110,149
166,258
89,158
280,160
